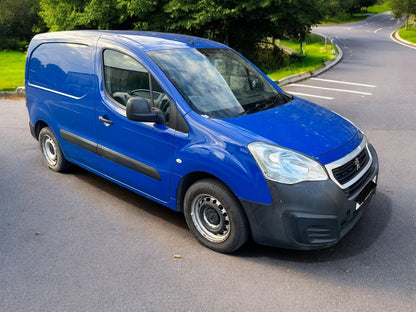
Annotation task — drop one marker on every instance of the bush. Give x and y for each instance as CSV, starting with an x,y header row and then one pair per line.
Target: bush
x,y
269,56
13,44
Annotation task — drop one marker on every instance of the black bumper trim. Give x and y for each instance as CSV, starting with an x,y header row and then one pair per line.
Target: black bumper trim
x,y
33,130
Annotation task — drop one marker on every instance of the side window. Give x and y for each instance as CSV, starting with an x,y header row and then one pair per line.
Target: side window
x,y
125,78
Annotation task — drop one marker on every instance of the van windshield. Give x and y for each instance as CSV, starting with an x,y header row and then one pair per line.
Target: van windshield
x,y
218,83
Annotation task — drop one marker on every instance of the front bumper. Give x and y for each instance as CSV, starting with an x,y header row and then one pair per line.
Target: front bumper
x,y
310,215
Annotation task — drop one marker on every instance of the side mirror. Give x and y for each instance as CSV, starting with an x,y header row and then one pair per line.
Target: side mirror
x,y
137,109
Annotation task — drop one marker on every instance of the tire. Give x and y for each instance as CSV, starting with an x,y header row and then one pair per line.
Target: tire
x,y
51,151
215,216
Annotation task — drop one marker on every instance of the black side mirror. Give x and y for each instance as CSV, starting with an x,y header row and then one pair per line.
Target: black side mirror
x,y
137,109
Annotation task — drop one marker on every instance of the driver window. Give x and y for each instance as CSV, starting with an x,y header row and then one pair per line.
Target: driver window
x,y
125,78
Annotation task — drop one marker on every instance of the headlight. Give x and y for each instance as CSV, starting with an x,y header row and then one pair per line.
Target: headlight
x,y
285,166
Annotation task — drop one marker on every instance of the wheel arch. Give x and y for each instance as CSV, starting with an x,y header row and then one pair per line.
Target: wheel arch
x,y
40,124
240,175
187,181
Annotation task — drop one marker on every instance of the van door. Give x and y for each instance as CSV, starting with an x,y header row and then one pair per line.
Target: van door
x,y
135,154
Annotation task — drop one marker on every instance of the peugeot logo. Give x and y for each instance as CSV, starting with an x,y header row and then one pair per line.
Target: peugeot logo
x,y
357,164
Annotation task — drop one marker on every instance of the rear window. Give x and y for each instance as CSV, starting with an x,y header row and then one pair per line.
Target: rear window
x,y
61,67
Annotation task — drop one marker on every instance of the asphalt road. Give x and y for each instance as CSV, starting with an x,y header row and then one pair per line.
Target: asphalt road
x,y
76,242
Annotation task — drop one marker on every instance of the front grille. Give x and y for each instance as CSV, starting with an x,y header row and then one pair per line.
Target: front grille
x,y
352,168
353,189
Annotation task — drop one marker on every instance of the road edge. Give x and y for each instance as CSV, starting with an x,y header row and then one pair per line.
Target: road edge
x,y
18,93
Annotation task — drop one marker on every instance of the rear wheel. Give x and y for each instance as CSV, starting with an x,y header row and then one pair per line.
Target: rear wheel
x,y
51,151
215,216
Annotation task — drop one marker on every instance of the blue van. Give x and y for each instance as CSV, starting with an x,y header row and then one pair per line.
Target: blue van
x,y
194,126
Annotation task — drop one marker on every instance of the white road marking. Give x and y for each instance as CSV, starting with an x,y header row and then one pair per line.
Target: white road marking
x,y
345,82
331,89
377,30
311,95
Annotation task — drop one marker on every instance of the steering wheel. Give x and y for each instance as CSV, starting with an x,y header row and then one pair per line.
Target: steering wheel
x,y
139,91
165,108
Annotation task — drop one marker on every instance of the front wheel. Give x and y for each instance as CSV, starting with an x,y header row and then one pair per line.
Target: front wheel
x,y
51,151
215,216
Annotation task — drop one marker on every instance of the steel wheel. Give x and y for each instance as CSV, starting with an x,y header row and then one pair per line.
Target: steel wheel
x,y
210,218
51,151
215,216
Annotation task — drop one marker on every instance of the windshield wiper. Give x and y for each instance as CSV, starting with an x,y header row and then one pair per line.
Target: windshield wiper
x,y
272,102
278,99
255,108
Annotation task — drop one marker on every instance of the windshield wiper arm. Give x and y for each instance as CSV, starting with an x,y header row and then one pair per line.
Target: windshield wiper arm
x,y
262,105
279,99
257,106
273,101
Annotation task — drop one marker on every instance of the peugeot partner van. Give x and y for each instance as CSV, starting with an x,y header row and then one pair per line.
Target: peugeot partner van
x,y
194,126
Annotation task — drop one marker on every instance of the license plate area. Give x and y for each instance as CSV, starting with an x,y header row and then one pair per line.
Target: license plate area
x,y
365,193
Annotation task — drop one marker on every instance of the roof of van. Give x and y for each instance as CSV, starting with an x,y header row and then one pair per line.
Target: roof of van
x,y
144,40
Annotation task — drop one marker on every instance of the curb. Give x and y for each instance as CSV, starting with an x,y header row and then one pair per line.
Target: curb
x,y
299,77
396,37
18,93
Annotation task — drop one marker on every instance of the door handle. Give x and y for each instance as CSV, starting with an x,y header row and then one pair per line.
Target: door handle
x,y
107,122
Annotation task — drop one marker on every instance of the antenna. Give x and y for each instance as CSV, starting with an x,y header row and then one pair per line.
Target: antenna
x,y
191,41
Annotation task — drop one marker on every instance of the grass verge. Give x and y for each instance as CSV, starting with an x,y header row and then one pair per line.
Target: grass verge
x,y
409,35
12,70
356,17
378,8
315,53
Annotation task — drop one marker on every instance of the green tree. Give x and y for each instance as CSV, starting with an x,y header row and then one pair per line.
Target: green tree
x,y
297,17
403,7
236,23
367,3
144,14
240,24
339,7
77,14
18,22
99,14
